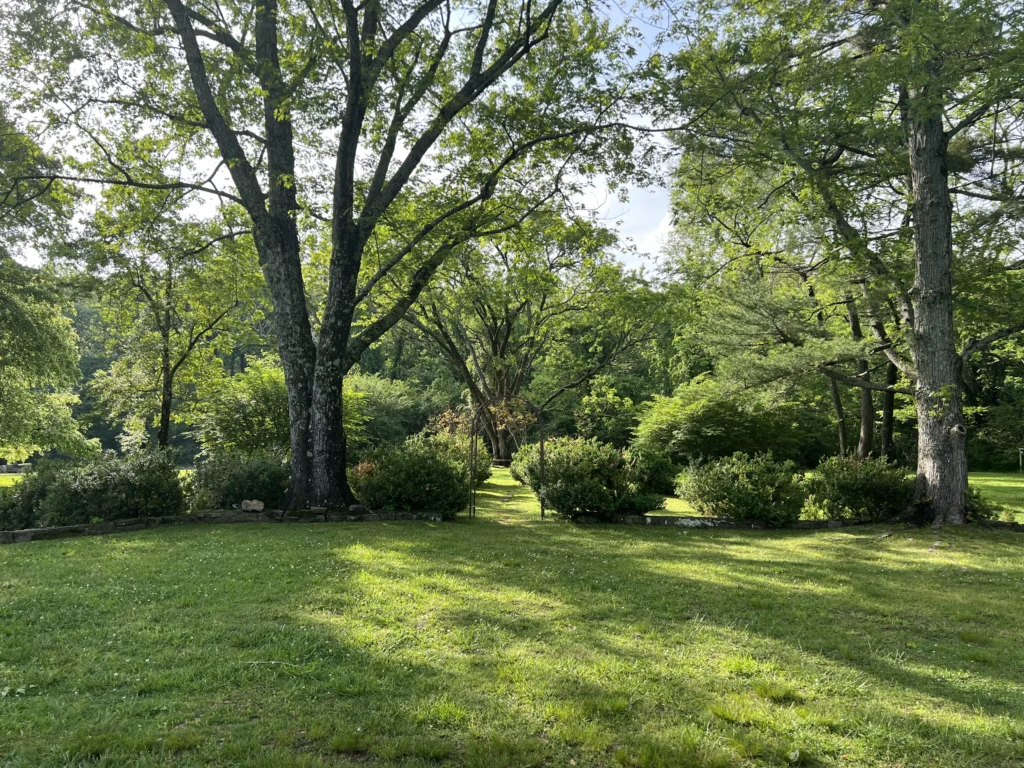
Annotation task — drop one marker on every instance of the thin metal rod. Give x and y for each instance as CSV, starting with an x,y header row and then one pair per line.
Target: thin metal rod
x,y
540,426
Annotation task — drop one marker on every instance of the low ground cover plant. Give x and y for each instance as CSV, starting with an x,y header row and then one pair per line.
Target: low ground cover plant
x,y
109,487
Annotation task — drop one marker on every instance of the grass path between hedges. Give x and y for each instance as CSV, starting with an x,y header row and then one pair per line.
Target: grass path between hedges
x,y
505,641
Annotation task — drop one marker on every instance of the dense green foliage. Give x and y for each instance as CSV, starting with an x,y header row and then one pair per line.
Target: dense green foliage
x,y
421,475
38,364
249,411
223,480
246,412
606,416
701,423
106,488
754,489
587,478
863,489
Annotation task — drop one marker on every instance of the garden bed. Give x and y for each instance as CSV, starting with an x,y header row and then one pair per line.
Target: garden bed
x,y
214,517
225,516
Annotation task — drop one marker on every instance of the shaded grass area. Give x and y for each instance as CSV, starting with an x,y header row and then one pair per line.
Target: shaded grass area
x,y
505,641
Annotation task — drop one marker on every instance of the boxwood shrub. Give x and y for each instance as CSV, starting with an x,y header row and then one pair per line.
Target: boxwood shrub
x,y
109,487
850,488
587,478
746,488
420,475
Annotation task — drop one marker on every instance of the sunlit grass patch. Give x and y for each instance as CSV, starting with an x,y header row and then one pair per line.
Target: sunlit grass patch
x,y
1005,488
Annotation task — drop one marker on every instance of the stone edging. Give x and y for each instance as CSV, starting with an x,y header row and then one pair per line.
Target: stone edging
x,y
692,521
216,517
211,517
689,521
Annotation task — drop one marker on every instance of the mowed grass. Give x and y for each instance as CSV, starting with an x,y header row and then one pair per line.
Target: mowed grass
x,y
1002,488
507,641
8,481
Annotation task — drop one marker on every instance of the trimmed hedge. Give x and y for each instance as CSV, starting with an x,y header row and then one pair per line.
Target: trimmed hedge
x,y
749,489
419,476
109,487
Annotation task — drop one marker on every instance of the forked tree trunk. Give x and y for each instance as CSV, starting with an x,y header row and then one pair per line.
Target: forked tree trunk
x,y
941,452
499,439
295,346
503,447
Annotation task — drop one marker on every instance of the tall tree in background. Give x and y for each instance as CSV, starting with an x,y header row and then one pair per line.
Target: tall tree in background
x,y
168,285
439,125
880,113
505,306
38,353
772,291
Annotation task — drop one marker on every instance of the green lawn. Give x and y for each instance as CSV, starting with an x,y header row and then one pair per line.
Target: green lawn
x,y
504,641
1002,488
6,481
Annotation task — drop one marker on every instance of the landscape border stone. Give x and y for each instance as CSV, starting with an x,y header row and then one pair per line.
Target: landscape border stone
x,y
211,517
357,514
692,521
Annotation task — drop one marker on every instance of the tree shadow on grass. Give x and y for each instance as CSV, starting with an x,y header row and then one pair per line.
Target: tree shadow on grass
x,y
847,612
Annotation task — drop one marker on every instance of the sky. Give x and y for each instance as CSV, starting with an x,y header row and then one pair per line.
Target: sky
x,y
644,219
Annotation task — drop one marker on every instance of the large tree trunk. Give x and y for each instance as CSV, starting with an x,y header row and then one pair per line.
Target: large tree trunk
x,y
330,454
941,452
278,249
330,478
499,438
503,447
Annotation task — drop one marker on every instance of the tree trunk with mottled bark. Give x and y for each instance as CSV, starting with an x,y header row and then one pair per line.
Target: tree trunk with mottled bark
x,y
941,452
295,346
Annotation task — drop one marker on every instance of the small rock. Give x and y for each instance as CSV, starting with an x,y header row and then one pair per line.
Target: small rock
x,y
318,510
252,505
357,509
